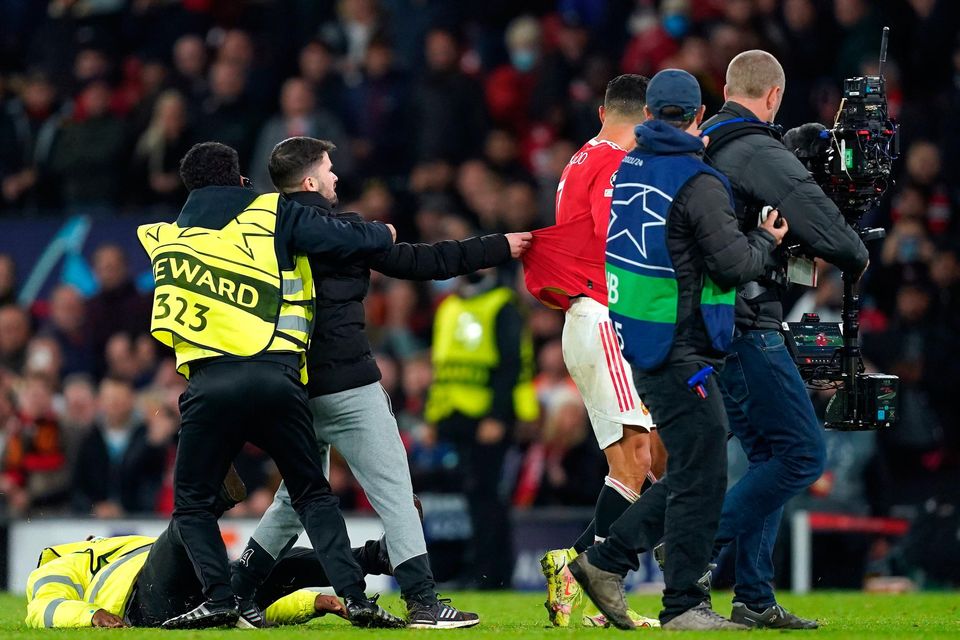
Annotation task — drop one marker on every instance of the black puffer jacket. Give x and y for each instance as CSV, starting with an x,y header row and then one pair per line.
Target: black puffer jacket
x,y
764,172
340,356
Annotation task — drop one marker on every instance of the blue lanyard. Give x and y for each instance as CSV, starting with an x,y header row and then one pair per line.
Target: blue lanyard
x,y
713,127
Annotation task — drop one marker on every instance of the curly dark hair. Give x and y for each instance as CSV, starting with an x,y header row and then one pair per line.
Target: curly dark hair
x,y
210,164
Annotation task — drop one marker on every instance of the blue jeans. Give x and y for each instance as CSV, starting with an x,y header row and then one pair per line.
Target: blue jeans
x,y
772,416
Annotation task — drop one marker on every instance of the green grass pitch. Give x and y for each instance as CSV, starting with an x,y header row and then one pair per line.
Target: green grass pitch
x,y
521,615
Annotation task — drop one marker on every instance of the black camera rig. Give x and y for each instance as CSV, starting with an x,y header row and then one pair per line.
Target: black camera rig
x,y
852,163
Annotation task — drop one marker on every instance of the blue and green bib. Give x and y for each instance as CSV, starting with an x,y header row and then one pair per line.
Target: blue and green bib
x,y
641,280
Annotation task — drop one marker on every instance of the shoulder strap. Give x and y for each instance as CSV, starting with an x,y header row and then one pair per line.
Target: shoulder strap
x,y
726,130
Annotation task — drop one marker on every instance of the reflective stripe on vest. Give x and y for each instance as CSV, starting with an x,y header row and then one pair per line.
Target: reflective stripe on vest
x,y
465,352
221,291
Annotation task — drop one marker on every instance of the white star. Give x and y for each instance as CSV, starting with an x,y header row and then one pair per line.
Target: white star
x,y
657,221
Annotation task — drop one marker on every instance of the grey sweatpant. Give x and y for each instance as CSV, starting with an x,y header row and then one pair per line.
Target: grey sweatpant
x,y
359,423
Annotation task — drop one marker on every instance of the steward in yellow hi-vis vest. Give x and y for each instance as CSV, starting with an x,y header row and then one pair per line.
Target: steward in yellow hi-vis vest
x,y
143,581
234,299
466,356
483,370
222,291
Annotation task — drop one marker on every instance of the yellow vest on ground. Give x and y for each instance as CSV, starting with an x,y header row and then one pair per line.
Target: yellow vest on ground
x,y
464,354
73,581
222,292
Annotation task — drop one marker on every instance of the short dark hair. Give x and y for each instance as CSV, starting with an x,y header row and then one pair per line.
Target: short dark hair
x,y
626,94
210,164
676,117
291,159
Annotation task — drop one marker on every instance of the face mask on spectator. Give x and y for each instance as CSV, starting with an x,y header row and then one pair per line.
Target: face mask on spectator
x,y
523,60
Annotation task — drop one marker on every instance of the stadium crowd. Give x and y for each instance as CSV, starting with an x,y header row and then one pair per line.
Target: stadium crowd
x,y
450,119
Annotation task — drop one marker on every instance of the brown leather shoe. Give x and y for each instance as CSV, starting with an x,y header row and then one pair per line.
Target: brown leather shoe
x,y
232,491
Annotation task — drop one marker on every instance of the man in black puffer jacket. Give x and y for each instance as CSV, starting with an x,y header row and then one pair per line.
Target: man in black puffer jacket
x,y
769,409
351,410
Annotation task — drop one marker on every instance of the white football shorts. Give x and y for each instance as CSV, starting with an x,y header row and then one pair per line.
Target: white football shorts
x,y
592,355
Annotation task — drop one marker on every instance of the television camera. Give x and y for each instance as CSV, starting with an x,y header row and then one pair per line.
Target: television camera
x,y
852,163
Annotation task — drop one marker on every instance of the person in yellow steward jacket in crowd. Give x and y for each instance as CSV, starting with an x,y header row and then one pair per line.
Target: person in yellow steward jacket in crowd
x,y
140,581
482,387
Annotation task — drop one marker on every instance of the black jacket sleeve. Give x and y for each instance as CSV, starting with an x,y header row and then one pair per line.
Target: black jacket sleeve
x,y
505,376
306,231
730,257
774,176
442,260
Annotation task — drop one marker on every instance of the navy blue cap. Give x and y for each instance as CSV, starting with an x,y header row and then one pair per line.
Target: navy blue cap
x,y
673,88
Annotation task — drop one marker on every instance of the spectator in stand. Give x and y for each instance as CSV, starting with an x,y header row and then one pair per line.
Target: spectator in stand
x,y
448,117
520,206
921,354
133,360
88,153
162,417
27,127
226,115
561,77
119,470
562,468
190,67
375,111
34,471
156,156
237,47
509,88
353,32
67,327
14,336
552,378
44,359
501,151
945,273
807,59
298,117
318,67
118,307
859,39
12,497
78,415
923,164
8,280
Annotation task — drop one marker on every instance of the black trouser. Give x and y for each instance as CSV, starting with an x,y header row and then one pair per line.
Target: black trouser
x,y
684,507
225,405
490,555
167,585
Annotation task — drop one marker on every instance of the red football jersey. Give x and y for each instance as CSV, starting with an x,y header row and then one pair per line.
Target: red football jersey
x,y
585,191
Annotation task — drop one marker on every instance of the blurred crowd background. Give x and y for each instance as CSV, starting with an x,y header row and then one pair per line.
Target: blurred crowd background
x,y
450,118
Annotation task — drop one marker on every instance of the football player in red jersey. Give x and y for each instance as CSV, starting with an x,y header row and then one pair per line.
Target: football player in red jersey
x,y
573,279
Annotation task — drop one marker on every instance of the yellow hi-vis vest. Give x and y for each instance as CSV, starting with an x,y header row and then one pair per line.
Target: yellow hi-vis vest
x,y
464,353
73,581
221,291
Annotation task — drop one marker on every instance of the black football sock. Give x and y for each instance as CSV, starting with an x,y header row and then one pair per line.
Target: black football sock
x,y
586,538
253,567
614,499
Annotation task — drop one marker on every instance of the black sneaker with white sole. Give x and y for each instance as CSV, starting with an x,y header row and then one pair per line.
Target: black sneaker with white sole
x,y
439,614
365,612
206,616
251,617
775,617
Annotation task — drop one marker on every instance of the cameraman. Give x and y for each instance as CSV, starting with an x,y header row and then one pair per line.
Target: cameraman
x,y
767,403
